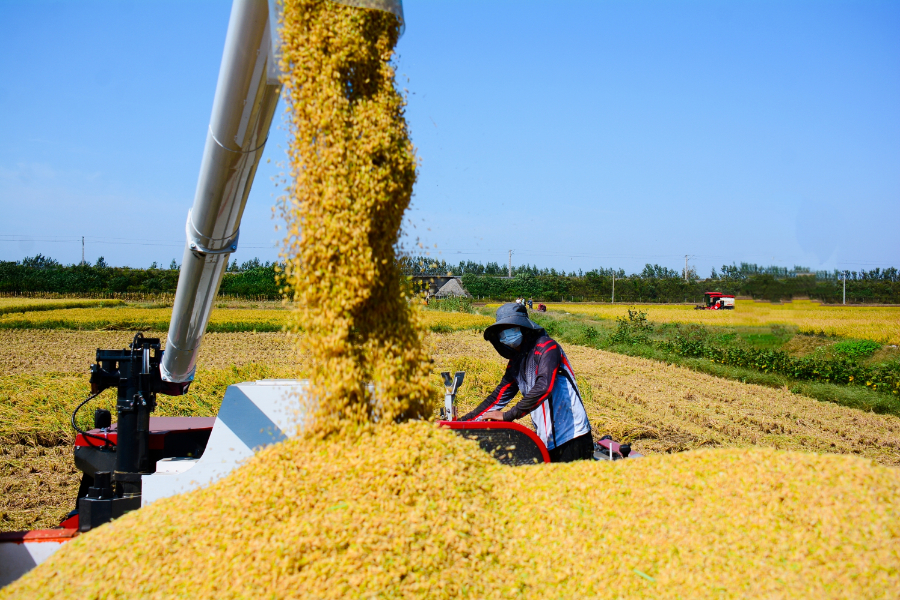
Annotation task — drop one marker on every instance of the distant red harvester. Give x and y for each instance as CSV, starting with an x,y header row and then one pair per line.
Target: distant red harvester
x,y
717,301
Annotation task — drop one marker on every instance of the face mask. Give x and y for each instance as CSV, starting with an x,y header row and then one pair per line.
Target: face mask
x,y
511,337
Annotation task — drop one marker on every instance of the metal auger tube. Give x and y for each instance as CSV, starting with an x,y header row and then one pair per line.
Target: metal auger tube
x,y
246,96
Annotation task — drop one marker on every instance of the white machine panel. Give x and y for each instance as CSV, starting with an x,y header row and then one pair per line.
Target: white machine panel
x,y
253,416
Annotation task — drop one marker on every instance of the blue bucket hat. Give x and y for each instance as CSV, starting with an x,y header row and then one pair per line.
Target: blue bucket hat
x,y
510,314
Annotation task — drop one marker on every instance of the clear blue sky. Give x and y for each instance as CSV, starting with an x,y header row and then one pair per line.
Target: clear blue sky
x,y
579,134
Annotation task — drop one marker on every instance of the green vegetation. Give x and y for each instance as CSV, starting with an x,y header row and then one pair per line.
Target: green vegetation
x,y
33,306
41,274
451,304
257,280
596,286
856,348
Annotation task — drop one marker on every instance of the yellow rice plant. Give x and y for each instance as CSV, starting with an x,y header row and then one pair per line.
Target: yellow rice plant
x,y
128,318
131,318
449,321
881,324
21,305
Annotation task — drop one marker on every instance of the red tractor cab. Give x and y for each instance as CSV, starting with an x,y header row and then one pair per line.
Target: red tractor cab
x,y
717,301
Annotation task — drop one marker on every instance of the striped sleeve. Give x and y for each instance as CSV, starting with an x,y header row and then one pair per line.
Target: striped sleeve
x,y
499,398
548,358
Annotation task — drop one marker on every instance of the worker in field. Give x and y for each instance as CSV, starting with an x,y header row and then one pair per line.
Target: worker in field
x,y
539,369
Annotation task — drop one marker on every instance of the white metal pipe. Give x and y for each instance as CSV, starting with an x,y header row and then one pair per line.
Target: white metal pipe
x,y
246,96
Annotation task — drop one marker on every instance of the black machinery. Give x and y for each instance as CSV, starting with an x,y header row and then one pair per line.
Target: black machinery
x,y
108,493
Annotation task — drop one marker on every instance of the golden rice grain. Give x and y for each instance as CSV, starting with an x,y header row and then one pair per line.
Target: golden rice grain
x,y
411,511
407,510
352,173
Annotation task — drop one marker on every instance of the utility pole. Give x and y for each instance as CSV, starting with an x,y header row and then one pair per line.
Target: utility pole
x,y
614,288
845,287
510,263
82,249
686,267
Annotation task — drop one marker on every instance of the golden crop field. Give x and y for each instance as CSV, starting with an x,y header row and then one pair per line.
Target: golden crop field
x,y
20,305
31,351
130,318
881,324
446,321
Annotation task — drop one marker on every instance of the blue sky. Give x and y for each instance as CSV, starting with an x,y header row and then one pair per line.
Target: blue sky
x,y
578,134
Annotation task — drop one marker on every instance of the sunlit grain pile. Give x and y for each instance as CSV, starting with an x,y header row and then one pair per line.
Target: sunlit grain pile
x,y
352,171
405,509
414,511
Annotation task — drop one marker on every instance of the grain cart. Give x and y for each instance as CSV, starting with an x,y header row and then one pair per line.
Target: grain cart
x,y
139,458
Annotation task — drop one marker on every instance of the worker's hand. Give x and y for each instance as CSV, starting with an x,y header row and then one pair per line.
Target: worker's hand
x,y
493,415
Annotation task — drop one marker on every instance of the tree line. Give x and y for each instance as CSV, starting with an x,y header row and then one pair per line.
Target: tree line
x,y
654,283
40,274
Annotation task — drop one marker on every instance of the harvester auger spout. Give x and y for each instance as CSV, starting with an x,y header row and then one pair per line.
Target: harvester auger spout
x,y
246,96
120,460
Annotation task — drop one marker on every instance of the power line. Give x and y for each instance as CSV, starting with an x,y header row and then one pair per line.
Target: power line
x,y
112,241
446,253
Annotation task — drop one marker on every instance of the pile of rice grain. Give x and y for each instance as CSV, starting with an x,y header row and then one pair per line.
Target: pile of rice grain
x,y
415,511
408,510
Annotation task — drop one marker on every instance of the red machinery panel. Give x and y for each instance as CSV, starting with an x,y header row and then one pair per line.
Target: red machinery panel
x,y
510,443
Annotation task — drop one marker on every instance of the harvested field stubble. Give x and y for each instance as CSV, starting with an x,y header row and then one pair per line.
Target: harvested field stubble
x,y
31,351
38,485
412,511
666,408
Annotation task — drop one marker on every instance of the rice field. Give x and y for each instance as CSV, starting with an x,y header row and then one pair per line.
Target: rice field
x,y
880,324
131,318
33,351
21,305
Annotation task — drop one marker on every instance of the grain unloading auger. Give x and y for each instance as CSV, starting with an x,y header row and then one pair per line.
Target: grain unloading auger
x,y
140,458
